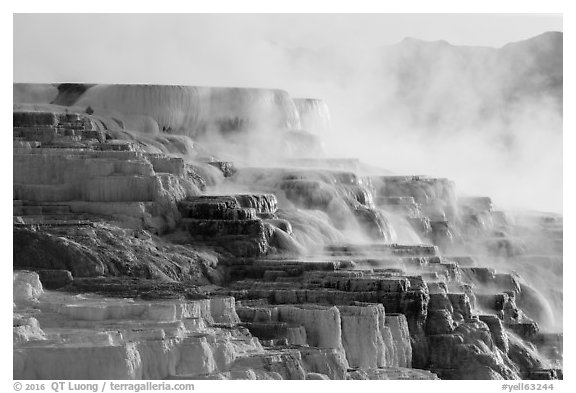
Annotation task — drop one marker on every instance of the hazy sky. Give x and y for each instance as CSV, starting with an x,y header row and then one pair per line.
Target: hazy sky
x,y
328,56
186,48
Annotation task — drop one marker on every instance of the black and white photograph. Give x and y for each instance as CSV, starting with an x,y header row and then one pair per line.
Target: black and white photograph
x,y
286,196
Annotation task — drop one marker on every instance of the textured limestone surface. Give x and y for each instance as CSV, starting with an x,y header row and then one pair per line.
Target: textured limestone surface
x,y
146,249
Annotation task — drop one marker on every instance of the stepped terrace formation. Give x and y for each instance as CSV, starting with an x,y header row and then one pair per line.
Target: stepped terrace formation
x,y
177,232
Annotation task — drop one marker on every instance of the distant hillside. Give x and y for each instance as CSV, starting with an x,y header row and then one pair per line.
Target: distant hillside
x,y
439,84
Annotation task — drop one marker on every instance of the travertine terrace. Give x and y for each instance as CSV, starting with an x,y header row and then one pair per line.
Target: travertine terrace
x,y
178,232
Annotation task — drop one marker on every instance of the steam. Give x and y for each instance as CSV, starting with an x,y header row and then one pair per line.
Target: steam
x,y
489,119
460,112
474,115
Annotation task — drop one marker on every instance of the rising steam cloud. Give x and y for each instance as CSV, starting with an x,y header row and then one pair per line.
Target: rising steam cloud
x,y
488,118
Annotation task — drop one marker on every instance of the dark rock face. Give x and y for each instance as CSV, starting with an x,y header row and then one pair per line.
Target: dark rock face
x,y
55,279
233,222
263,203
89,251
525,357
68,93
468,353
217,210
461,305
39,250
439,322
57,129
497,331
211,228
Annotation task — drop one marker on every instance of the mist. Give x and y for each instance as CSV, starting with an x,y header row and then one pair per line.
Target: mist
x,y
457,112
408,161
